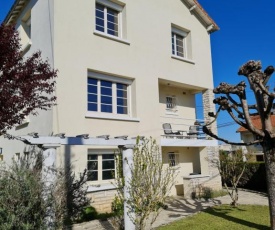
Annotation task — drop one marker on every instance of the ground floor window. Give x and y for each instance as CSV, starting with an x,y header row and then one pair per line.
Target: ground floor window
x,y
173,159
101,165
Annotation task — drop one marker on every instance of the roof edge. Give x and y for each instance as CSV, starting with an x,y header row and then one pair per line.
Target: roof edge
x,y
15,11
196,8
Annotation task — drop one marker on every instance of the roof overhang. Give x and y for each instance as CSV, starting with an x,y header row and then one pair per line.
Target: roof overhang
x,y
15,11
196,9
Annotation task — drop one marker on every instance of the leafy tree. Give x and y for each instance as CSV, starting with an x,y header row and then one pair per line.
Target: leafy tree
x,y
25,83
231,167
234,101
149,186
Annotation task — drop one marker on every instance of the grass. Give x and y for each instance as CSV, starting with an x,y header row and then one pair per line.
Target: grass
x,y
225,217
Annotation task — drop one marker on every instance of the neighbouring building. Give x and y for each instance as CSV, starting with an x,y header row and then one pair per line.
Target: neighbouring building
x,y
255,150
125,68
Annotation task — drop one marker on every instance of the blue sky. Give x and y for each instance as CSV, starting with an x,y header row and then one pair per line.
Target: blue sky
x,y
247,32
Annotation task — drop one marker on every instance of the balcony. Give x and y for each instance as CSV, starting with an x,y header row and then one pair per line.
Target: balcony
x,y
180,132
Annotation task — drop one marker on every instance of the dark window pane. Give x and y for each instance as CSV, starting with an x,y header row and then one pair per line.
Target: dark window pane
x,y
121,93
106,108
108,156
112,15
92,175
112,32
92,165
92,98
99,7
108,164
106,91
107,175
100,24
92,106
121,86
92,157
122,110
122,101
92,81
92,89
106,83
106,100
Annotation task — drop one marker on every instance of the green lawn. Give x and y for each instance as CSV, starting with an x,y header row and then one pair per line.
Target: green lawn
x,y
225,217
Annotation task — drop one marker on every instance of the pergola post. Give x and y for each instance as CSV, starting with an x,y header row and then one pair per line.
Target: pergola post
x,y
127,156
49,177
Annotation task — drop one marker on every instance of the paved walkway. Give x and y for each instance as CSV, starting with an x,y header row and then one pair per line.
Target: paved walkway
x,y
178,208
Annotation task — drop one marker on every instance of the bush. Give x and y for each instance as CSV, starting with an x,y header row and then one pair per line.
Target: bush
x,y
207,193
89,213
254,177
26,200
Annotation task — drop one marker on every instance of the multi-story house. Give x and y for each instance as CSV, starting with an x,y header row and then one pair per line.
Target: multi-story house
x,y
124,68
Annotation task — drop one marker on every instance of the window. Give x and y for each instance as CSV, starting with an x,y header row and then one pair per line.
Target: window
x,y
107,96
101,166
108,17
173,159
171,103
179,47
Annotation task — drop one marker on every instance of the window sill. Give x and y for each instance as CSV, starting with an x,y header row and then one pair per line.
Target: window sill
x,y
183,59
98,188
173,113
26,47
114,38
111,117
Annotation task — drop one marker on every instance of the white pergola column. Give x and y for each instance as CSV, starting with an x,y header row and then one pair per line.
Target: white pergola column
x,y
49,177
127,156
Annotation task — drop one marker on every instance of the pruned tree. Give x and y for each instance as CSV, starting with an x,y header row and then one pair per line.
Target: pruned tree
x,y
26,84
234,102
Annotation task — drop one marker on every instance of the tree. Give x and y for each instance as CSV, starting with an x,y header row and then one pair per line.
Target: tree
x,y
149,186
235,102
231,167
25,83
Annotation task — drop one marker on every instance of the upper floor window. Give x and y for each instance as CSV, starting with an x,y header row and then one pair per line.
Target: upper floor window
x,y
171,103
108,96
108,18
179,47
181,44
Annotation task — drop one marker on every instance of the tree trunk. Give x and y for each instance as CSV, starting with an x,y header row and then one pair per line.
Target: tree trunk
x,y
269,155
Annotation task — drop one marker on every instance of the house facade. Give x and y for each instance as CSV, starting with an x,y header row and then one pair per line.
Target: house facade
x,y
256,150
124,68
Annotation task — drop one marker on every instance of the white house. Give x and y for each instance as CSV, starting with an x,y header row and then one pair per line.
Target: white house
x,y
125,68
255,150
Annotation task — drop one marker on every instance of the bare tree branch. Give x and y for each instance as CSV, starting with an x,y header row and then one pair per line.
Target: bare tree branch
x,y
211,134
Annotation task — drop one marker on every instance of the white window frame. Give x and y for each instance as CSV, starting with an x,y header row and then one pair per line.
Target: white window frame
x,y
114,114
183,34
186,45
176,159
113,6
100,153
